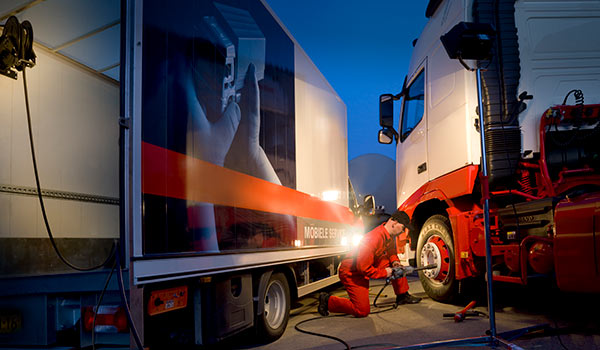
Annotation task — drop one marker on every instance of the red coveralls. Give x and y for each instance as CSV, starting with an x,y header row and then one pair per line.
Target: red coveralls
x,y
377,251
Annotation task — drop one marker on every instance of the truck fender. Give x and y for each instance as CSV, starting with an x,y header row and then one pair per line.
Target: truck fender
x,y
262,285
445,188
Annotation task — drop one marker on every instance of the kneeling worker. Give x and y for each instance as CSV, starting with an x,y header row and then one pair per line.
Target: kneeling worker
x,y
372,259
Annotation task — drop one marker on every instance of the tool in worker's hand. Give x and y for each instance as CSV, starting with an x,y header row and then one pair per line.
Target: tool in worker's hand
x,y
398,272
462,314
402,271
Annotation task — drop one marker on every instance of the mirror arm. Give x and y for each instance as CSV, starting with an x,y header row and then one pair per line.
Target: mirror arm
x,y
404,88
396,135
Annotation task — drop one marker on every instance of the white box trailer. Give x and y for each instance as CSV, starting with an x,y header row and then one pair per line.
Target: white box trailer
x,y
216,158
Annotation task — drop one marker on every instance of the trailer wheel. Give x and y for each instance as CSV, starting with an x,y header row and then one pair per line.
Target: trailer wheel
x,y
274,317
435,246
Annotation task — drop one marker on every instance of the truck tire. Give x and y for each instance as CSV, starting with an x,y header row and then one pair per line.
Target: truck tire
x,y
435,246
273,319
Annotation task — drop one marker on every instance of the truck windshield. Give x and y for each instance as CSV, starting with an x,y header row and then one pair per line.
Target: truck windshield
x,y
413,106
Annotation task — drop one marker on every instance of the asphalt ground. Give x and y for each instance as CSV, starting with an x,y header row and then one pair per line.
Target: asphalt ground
x,y
567,321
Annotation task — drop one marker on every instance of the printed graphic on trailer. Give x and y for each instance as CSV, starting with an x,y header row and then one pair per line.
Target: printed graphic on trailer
x,y
217,86
316,232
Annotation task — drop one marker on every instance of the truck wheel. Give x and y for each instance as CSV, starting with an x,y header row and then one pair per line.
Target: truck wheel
x,y
272,321
435,246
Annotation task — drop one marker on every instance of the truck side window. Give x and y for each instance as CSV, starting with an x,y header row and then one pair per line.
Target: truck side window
x,y
413,106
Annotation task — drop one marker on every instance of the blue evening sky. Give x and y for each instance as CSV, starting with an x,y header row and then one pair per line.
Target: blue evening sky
x,y
362,48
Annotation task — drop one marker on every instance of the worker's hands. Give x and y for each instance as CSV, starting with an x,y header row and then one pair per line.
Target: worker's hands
x,y
388,271
208,140
408,270
401,271
246,155
233,139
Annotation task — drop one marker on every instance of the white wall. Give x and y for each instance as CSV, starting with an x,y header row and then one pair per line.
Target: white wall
x,y
75,126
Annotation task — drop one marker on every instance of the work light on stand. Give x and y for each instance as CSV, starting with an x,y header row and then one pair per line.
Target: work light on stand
x,y
474,41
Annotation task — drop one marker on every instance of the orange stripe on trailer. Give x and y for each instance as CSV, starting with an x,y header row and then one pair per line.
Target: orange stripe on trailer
x,y
166,173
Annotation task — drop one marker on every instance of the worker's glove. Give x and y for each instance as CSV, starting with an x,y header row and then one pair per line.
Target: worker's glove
x,y
401,271
388,272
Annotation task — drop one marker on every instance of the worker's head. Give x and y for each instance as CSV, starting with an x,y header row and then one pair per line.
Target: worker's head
x,y
398,222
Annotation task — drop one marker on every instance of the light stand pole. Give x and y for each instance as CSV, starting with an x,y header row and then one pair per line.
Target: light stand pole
x,y
474,41
486,209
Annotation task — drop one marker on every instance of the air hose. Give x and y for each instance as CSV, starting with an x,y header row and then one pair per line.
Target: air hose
x,y
348,347
41,200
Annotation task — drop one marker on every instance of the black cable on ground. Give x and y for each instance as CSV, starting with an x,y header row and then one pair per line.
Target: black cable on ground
x,y
41,200
100,302
392,307
348,347
380,291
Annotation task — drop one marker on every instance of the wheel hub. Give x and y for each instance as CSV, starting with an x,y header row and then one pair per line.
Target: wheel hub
x,y
275,305
434,251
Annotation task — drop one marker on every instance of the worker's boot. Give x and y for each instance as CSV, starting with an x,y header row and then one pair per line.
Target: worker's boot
x,y
406,299
324,304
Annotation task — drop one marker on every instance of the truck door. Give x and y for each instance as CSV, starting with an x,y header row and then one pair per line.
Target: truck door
x,y
411,156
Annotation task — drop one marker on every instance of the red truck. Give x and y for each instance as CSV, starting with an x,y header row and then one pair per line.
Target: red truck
x,y
541,90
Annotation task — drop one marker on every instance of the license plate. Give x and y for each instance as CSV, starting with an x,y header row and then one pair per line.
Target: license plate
x,y
10,322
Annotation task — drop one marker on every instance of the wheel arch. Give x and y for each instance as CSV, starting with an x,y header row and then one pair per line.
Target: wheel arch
x,y
290,276
424,211
261,279
273,303
438,196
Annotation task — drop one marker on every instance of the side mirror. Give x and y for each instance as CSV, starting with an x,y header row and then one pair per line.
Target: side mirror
x,y
369,205
386,110
386,136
